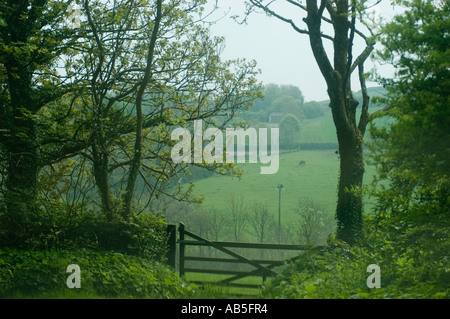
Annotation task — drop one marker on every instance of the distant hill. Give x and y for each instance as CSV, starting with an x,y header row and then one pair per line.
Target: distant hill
x,y
322,129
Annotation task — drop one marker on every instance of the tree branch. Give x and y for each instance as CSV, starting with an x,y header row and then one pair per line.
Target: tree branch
x,y
362,57
364,118
266,9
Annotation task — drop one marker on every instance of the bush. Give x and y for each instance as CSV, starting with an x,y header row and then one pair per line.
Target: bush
x,y
26,273
315,223
142,235
413,259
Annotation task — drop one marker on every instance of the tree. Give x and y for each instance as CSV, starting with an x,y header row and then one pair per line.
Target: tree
x,y
286,104
262,222
87,107
341,16
239,216
413,152
280,99
33,38
312,110
313,222
289,130
149,67
216,224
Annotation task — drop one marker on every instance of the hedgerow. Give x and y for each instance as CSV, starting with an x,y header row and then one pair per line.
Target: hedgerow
x,y
40,273
412,258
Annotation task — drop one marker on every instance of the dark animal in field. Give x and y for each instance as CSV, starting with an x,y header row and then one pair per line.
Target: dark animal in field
x,y
302,162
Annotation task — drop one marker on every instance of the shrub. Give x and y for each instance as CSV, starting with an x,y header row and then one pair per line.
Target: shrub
x,y
143,235
315,223
413,259
26,273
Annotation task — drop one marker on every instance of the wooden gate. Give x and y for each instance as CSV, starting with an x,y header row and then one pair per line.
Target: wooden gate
x,y
260,267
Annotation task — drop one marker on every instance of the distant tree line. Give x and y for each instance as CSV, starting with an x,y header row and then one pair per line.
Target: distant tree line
x,y
283,99
239,220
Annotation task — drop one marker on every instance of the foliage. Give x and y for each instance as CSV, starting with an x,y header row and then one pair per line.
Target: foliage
x,y
313,109
29,273
289,131
412,258
86,114
413,152
33,38
277,99
143,236
124,131
408,235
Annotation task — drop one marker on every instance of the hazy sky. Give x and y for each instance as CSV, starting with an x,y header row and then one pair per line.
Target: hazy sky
x,y
283,55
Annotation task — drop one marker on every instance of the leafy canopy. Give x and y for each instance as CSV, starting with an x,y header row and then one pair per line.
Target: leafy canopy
x,y
413,153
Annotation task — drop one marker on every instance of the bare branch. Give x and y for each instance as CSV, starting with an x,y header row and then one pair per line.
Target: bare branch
x,y
364,118
362,57
266,8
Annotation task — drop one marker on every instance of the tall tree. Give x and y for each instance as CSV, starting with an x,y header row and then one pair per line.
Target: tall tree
x,y
413,151
341,16
238,213
149,67
33,36
289,130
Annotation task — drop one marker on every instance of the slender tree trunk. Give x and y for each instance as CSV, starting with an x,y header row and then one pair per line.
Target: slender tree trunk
x,y
101,176
137,157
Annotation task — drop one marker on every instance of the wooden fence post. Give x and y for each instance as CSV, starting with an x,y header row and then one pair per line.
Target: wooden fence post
x,y
182,247
172,243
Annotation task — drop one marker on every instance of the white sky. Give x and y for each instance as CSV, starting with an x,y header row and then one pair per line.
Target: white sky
x,y
283,55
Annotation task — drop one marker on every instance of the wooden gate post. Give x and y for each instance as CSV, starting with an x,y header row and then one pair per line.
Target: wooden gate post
x,y
182,247
172,243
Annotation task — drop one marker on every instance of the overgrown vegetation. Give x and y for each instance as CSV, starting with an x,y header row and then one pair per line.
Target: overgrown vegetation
x,y
42,274
88,98
407,235
412,256
85,166
143,236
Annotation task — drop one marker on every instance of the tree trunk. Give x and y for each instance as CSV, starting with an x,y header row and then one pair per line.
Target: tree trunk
x,y
349,205
20,194
137,157
20,144
343,107
101,177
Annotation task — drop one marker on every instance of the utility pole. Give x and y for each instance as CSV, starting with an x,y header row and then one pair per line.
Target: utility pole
x,y
280,187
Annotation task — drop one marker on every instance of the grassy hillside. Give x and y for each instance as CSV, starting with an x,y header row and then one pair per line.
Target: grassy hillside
x,y
318,130
316,180
322,129
320,172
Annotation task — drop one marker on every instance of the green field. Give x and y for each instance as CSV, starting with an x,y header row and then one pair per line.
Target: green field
x,y
316,180
318,130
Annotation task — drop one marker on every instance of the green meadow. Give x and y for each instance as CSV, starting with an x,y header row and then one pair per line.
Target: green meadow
x,y
316,180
